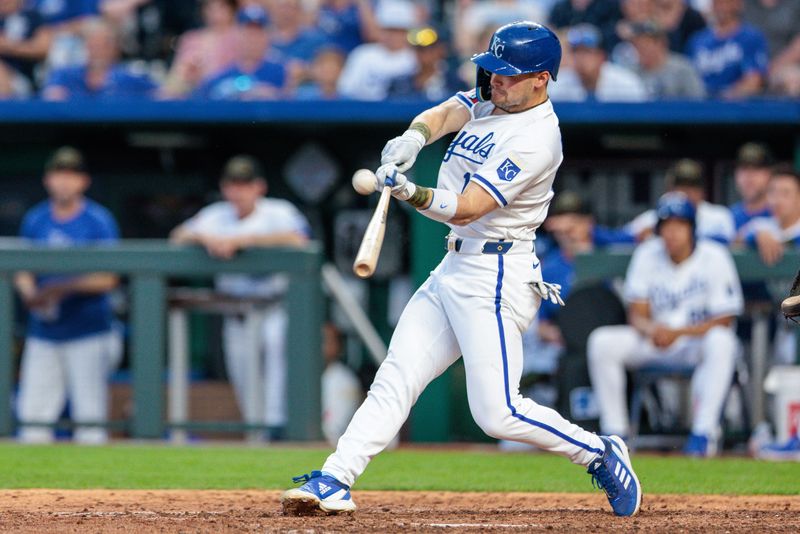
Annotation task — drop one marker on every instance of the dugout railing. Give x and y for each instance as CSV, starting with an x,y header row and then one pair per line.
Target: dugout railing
x,y
147,265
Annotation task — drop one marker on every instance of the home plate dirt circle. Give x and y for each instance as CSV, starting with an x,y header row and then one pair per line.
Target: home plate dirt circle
x,y
383,511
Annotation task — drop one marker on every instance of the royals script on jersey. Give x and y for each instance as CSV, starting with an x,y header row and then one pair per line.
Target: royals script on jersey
x,y
702,287
514,157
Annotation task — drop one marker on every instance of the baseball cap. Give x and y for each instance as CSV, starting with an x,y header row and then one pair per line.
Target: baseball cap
x,y
66,158
570,202
252,14
242,168
686,172
396,15
754,155
584,36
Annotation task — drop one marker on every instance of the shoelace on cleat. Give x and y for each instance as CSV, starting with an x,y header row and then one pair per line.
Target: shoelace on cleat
x,y
602,478
306,477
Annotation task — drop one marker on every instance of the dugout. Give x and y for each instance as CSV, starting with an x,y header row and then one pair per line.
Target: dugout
x,y
156,162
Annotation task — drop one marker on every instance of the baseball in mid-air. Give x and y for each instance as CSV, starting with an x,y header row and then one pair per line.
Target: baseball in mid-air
x,y
364,181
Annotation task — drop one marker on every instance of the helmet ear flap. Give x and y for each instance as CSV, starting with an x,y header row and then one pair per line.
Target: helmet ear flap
x,y
483,86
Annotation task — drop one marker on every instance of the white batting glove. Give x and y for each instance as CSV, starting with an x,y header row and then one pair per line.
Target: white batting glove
x,y
402,151
548,291
402,188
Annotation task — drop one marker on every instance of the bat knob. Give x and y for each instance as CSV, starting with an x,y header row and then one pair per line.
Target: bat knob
x,y
390,180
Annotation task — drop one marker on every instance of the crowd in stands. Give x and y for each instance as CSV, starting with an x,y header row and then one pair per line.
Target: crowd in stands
x,y
614,50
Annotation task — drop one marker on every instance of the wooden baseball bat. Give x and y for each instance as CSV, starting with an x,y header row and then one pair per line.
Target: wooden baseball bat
x,y
370,249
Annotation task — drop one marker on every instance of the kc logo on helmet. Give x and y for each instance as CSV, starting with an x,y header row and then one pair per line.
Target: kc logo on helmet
x,y
497,46
508,170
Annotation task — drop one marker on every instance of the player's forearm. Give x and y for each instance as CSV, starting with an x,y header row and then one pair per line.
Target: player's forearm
x,y
702,328
87,284
751,84
183,236
25,284
276,239
433,123
34,49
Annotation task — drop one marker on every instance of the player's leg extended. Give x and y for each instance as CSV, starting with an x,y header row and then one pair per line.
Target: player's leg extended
x,y
235,341
87,365
712,379
42,389
275,370
422,347
610,350
489,331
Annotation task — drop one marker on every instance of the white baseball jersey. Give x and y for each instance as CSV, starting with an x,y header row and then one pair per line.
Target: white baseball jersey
x,y
713,222
270,216
702,287
513,157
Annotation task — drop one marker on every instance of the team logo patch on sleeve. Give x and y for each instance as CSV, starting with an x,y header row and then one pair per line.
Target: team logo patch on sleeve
x,y
508,170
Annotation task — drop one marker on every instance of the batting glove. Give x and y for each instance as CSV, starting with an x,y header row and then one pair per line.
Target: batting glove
x,y
402,188
548,291
402,151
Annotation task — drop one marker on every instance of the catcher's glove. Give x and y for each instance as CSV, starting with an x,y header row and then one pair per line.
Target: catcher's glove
x,y
791,304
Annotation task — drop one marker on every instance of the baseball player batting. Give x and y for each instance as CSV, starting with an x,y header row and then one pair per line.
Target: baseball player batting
x,y
494,188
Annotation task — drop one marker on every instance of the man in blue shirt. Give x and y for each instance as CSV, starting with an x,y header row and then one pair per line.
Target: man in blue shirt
x,y
753,169
71,344
731,56
257,74
103,77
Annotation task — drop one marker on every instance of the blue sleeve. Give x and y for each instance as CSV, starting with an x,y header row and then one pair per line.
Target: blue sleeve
x,y
106,228
28,227
57,78
756,58
603,236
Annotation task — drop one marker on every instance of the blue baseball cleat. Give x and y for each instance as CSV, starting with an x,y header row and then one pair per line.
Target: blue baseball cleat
x,y
786,451
320,492
700,446
612,472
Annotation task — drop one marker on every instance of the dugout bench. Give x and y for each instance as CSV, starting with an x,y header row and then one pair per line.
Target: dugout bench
x,y
613,263
147,264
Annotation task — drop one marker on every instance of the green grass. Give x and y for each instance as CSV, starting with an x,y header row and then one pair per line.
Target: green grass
x,y
230,467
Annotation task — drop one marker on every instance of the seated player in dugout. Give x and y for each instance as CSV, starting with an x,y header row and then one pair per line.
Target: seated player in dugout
x,y
494,188
683,296
246,219
713,220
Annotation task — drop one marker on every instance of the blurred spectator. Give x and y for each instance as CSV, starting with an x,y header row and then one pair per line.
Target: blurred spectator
x,y
243,220
771,234
731,56
341,388
24,41
102,76
633,12
680,21
323,75
66,18
433,79
71,345
258,73
290,36
665,74
753,168
347,23
205,51
592,76
371,67
471,17
779,20
684,314
713,221
784,74
602,14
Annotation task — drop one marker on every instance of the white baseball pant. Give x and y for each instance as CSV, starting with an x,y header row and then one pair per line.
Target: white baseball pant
x,y
237,348
52,371
475,305
613,349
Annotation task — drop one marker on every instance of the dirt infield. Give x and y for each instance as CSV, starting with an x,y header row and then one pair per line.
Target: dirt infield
x,y
259,511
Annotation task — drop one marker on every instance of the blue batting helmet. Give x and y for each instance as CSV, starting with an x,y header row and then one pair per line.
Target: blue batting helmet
x,y
675,206
517,48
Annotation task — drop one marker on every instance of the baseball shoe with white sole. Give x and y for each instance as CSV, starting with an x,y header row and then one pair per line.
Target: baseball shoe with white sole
x,y
319,492
787,451
613,473
791,304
